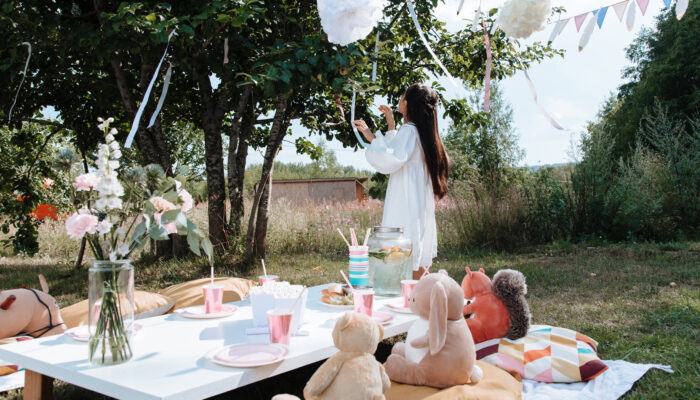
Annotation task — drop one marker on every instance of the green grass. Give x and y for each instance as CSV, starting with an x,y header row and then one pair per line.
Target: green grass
x,y
628,305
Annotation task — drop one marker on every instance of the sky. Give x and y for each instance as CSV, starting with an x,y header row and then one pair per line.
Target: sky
x,y
571,89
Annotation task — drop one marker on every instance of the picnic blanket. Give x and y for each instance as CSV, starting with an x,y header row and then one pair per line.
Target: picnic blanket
x,y
610,385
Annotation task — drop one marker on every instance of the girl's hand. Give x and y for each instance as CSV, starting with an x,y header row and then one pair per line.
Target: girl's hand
x,y
361,126
389,115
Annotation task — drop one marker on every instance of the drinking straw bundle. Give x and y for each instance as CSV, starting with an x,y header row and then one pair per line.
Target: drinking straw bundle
x,y
358,268
353,237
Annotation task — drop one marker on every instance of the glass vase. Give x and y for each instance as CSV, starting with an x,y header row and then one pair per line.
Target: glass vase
x,y
111,311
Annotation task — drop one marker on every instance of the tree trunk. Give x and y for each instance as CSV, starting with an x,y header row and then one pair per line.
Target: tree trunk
x,y
212,117
277,133
237,154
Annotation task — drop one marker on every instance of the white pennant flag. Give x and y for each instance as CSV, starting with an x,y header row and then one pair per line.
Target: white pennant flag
x,y
563,24
461,3
555,32
620,9
630,16
681,7
587,33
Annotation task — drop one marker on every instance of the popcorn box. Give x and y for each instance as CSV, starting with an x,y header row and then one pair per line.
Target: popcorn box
x,y
277,295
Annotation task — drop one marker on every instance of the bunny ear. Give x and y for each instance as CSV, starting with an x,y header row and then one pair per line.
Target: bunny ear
x,y
437,331
481,270
469,272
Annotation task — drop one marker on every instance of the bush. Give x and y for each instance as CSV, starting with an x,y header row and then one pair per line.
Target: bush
x,y
548,215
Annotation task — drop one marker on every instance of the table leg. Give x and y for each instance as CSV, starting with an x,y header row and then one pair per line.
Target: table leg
x,y
37,386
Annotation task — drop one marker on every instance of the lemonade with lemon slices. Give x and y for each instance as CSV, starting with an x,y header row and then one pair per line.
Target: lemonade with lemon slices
x,y
390,260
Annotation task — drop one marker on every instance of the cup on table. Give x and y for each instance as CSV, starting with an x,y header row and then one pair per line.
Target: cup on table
x,y
279,323
268,278
364,300
358,265
213,297
406,288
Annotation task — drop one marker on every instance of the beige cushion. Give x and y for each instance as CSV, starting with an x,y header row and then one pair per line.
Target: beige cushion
x,y
191,293
146,305
496,384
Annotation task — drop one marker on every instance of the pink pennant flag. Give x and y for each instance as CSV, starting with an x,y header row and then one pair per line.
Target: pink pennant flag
x,y
620,9
643,4
579,20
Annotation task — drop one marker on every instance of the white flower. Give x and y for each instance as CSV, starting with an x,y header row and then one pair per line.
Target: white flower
x,y
120,232
520,18
347,21
113,256
104,226
109,137
113,131
123,249
187,201
108,203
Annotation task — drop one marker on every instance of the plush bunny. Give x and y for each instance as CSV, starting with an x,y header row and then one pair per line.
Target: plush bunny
x,y
439,350
352,373
29,312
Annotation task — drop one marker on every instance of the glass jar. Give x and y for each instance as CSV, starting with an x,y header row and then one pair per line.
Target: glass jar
x,y
390,260
111,311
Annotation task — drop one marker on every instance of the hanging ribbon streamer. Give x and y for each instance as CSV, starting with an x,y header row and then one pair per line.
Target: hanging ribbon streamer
x,y
461,3
161,99
542,110
24,75
587,32
139,112
487,74
620,9
681,7
357,134
376,55
557,30
630,16
414,17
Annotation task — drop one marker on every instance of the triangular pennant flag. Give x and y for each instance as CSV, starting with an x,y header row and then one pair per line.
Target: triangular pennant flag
x,y
587,33
681,7
630,16
554,33
579,20
563,24
643,4
620,9
601,16
668,3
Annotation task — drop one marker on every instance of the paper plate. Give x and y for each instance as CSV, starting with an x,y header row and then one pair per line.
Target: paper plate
x,y
197,312
247,355
399,308
382,317
337,306
82,334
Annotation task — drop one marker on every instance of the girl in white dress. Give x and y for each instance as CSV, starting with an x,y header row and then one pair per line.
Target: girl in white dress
x,y
418,168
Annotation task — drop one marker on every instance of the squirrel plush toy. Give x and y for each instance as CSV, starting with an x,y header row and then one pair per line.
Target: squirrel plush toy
x,y
439,350
497,308
352,373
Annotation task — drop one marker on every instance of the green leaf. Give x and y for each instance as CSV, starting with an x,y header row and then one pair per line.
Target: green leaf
x,y
169,216
186,29
181,224
151,17
193,241
139,230
208,248
158,233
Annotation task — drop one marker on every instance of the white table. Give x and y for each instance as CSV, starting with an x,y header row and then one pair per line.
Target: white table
x,y
169,355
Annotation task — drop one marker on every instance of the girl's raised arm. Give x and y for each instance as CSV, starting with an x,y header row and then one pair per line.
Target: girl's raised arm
x,y
403,143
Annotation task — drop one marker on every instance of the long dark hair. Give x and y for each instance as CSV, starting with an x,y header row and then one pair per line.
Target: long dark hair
x,y
421,110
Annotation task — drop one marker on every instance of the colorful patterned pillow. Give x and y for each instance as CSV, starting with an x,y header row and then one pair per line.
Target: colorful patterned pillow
x,y
546,354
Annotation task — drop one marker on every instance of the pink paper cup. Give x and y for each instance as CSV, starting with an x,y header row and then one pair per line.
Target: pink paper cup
x,y
279,322
364,300
406,288
213,297
267,278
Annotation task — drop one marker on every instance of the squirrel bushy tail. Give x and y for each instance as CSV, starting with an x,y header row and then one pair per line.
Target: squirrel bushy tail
x,y
509,287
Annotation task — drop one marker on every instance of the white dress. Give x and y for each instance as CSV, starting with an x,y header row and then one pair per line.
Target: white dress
x,y
410,202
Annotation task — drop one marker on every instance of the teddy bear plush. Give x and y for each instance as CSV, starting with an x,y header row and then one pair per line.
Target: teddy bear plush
x,y
496,309
352,373
439,350
29,312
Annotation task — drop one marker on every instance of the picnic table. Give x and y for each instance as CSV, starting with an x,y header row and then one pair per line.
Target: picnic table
x,y
169,355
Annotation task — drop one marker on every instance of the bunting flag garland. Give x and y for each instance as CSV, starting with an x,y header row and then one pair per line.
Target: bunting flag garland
x,y
487,74
601,16
630,15
620,9
681,8
161,99
357,134
579,21
668,3
24,75
541,108
555,32
142,107
643,4
459,8
423,39
587,32
563,25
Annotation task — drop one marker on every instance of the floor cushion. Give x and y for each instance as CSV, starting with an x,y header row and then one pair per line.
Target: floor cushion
x,y
497,384
146,305
545,354
191,293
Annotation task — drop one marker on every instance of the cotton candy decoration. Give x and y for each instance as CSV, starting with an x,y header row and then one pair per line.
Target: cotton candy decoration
x,y
520,18
348,21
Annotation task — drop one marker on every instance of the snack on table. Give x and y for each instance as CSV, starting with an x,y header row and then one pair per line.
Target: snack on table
x,y
337,295
281,290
